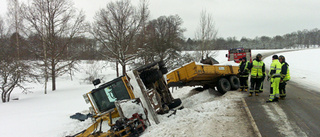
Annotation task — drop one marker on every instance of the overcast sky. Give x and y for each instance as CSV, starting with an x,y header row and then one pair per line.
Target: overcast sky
x,y
239,18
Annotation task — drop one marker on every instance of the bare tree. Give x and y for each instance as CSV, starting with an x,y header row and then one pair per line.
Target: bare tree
x,y
57,24
12,74
15,20
12,71
116,28
278,41
265,40
206,33
164,36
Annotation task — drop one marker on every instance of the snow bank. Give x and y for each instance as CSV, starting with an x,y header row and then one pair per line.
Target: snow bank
x,y
204,115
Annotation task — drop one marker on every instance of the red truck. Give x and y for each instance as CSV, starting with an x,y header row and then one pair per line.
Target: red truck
x,y
238,53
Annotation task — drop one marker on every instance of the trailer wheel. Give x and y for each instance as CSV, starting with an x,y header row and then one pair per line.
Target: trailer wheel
x,y
223,85
151,76
234,82
176,102
164,70
161,63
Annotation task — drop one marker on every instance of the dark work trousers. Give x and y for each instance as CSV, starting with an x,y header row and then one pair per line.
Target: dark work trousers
x,y
255,84
282,89
243,83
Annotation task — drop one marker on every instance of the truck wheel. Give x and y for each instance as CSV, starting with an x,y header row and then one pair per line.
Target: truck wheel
x,y
223,85
176,102
164,70
234,82
151,76
155,76
161,63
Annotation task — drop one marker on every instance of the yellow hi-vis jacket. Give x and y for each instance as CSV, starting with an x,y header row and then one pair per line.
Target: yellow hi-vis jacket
x,y
258,69
275,68
285,72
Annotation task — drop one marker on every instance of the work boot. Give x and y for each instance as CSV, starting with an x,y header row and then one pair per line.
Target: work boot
x,y
257,94
282,98
268,101
240,89
250,94
245,90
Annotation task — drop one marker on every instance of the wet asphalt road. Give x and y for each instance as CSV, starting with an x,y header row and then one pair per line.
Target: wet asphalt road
x,y
301,107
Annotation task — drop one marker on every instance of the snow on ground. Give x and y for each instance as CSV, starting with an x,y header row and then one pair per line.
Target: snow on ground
x,y
206,113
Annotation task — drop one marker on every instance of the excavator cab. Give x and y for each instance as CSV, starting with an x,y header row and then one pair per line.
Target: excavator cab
x,y
103,98
149,87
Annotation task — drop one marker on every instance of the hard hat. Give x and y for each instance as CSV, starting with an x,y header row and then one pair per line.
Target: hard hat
x,y
282,57
259,55
275,56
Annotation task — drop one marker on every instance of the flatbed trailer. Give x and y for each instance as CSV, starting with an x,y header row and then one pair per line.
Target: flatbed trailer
x,y
222,77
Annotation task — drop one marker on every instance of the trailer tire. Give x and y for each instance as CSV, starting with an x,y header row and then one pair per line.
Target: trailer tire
x,y
223,85
151,76
234,82
176,102
161,64
164,70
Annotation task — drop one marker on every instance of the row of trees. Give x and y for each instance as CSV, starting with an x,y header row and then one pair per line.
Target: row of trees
x,y
45,30
305,38
52,36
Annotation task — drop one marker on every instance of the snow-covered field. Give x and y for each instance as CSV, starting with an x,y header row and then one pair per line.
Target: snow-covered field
x,y
205,114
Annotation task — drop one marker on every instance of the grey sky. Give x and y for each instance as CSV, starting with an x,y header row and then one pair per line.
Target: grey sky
x,y
239,18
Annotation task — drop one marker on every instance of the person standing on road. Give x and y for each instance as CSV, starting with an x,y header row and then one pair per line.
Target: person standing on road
x,y
244,74
257,74
285,76
261,85
274,74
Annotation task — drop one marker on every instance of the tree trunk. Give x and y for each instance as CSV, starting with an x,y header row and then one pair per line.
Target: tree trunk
x,y
124,69
117,68
3,96
53,76
8,97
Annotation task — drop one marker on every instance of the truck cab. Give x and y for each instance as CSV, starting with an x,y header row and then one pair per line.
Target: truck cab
x,y
235,54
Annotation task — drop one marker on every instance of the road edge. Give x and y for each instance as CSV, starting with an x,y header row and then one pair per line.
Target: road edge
x,y
253,123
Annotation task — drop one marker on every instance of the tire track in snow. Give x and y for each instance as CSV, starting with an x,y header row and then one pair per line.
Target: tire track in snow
x,y
284,126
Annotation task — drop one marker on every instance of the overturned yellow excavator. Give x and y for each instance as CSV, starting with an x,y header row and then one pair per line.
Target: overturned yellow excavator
x,y
144,86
